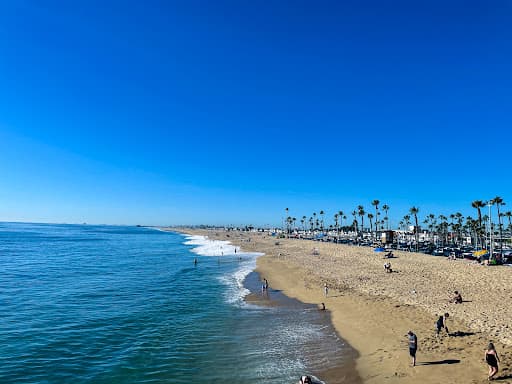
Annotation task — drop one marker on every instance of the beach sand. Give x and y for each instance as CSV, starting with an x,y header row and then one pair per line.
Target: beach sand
x,y
373,310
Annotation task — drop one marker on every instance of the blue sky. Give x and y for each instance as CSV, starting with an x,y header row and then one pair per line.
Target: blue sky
x,y
222,112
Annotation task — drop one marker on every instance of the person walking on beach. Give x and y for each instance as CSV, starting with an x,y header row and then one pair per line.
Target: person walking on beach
x,y
413,346
326,289
492,359
441,323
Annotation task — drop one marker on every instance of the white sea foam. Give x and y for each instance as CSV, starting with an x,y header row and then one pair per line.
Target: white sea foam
x,y
207,247
234,282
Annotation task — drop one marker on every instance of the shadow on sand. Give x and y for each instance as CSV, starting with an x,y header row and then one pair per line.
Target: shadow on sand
x,y
461,334
506,377
446,361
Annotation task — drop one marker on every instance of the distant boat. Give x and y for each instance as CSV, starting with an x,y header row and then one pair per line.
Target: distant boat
x,y
139,225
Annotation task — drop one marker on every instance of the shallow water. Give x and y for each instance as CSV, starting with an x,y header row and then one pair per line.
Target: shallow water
x,y
105,304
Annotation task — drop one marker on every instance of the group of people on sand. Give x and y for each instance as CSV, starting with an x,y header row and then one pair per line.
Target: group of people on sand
x,y
491,356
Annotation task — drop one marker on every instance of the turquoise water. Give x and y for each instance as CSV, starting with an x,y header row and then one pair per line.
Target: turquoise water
x,y
104,304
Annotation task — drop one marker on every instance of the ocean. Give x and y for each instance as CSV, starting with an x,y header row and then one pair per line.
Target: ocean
x,y
119,304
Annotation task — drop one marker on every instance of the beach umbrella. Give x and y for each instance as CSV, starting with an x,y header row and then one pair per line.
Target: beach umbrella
x,y
380,249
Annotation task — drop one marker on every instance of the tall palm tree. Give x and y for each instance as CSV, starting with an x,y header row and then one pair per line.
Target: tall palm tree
x,y
304,218
508,215
443,227
322,221
315,220
460,220
286,210
311,223
288,224
478,205
294,220
370,217
336,222
414,211
498,201
376,203
385,208
341,216
407,221
361,213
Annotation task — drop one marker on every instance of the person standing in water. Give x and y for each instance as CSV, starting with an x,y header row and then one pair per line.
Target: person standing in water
x,y
492,359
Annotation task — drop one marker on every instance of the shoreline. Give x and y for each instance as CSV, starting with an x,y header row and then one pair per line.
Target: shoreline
x,y
373,311
340,368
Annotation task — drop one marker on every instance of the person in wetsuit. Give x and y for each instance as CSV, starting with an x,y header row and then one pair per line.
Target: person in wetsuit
x,y
492,359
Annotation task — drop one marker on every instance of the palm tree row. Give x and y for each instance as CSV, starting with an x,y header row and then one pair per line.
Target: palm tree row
x,y
446,229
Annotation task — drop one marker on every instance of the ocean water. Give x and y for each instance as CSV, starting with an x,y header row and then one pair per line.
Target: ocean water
x,y
107,304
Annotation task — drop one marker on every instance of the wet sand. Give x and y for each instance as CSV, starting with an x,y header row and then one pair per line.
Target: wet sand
x,y
373,310
340,368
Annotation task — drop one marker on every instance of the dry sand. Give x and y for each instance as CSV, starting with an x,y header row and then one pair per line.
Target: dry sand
x,y
373,310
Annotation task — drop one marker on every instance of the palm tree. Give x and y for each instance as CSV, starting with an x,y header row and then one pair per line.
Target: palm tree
x,y
294,220
336,222
311,223
370,217
361,212
443,227
407,221
385,208
414,211
354,213
315,220
498,201
286,211
478,205
304,218
322,221
376,203
341,215
460,220
508,215
288,224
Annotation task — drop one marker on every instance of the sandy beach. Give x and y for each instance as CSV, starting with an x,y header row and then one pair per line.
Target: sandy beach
x,y
373,310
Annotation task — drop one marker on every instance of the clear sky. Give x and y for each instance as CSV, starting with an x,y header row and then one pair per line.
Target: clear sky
x,y
189,112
